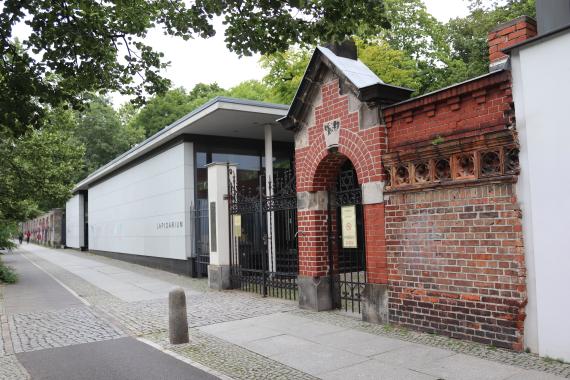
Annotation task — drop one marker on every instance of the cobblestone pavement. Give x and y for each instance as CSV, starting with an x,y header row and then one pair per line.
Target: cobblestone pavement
x,y
11,369
49,329
225,357
148,319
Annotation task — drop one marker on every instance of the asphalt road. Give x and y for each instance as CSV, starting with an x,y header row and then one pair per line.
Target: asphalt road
x,y
37,297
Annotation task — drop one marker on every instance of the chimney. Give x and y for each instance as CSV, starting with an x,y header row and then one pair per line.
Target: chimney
x,y
346,49
506,35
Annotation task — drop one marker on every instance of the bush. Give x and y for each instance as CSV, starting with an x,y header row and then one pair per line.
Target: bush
x,y
7,274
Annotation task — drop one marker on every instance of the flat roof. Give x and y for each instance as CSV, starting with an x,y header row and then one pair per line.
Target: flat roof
x,y
221,116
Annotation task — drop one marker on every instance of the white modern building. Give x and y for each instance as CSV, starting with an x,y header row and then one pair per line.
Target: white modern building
x,y
541,79
150,205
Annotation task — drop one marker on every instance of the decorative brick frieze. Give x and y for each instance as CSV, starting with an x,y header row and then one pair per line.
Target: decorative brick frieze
x,y
490,157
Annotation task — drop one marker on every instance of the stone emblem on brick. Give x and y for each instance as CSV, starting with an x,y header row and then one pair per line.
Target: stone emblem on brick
x,y
331,130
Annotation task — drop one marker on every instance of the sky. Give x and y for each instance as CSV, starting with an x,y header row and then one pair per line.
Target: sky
x,y
208,60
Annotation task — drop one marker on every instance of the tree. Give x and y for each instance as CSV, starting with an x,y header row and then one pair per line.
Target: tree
x,y
100,130
84,46
38,169
286,70
467,36
392,66
163,110
253,90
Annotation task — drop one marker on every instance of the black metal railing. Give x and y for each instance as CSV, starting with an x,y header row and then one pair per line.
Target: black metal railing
x,y
263,242
201,232
347,261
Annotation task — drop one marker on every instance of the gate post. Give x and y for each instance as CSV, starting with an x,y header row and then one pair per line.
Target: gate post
x,y
375,295
314,281
218,215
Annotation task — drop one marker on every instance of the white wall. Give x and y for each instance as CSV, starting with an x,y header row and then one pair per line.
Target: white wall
x,y
74,228
145,210
541,81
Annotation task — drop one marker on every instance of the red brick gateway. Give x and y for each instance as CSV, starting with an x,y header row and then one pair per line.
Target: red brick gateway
x,y
439,227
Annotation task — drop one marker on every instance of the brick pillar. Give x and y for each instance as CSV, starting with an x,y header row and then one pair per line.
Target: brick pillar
x,y
375,296
375,235
313,281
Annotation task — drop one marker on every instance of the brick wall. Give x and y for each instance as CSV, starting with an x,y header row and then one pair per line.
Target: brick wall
x,y
463,111
456,263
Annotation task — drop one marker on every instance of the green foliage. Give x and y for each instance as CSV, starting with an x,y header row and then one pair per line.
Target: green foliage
x,y
253,90
8,230
467,37
286,70
99,129
7,274
163,110
37,170
393,66
418,51
80,46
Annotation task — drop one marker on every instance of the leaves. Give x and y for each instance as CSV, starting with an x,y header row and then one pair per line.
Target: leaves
x,y
78,46
100,130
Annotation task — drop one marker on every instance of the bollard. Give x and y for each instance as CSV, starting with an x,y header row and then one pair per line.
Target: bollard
x,y
177,320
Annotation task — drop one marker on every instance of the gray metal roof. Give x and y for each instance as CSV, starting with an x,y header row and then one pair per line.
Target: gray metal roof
x,y
364,83
182,120
354,70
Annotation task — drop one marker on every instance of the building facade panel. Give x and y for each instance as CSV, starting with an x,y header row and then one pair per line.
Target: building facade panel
x,y
144,210
74,222
541,102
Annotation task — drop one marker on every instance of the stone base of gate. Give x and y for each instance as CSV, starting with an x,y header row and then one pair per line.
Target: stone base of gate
x,y
219,277
315,293
375,303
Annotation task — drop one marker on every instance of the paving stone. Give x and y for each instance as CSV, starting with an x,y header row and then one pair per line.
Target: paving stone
x,y
11,369
373,369
277,345
48,329
317,361
519,359
464,367
147,317
413,355
229,359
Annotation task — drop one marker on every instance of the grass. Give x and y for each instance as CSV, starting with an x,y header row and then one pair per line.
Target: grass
x,y
549,359
7,274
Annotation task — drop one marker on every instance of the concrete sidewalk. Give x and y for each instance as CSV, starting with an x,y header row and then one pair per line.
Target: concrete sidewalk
x,y
124,284
248,337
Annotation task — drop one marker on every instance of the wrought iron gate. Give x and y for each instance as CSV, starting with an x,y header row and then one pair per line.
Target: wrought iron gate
x,y
347,251
201,236
263,236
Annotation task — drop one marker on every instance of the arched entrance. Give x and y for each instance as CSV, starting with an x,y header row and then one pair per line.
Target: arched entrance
x,y
347,253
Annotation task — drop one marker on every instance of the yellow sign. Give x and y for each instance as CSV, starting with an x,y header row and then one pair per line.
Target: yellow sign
x,y
348,220
237,225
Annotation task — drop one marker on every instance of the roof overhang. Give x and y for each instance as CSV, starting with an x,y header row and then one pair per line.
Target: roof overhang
x,y
360,80
223,117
